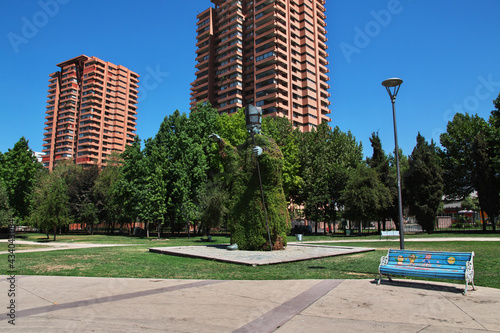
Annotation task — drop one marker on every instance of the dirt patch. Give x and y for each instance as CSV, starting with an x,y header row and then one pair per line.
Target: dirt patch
x,y
357,274
43,268
83,257
355,256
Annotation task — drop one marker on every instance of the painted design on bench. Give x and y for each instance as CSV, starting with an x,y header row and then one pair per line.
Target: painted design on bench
x,y
451,260
427,259
400,259
412,258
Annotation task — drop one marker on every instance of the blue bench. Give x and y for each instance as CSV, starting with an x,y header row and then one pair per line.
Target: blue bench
x,y
430,264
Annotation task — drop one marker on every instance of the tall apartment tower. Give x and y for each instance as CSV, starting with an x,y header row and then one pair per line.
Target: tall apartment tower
x,y
91,111
269,53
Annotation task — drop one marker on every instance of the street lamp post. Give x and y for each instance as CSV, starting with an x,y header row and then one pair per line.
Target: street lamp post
x,y
395,83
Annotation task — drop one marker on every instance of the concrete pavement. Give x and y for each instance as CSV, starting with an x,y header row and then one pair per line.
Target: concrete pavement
x,y
292,252
77,304
55,246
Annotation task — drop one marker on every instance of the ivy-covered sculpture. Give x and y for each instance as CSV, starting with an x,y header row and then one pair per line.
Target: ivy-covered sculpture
x,y
247,219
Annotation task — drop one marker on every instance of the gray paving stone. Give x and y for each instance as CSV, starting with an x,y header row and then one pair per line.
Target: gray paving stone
x,y
293,252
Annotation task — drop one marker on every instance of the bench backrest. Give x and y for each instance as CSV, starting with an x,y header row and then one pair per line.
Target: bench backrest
x,y
390,233
430,259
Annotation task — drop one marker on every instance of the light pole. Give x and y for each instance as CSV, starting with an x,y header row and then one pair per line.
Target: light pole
x,y
395,83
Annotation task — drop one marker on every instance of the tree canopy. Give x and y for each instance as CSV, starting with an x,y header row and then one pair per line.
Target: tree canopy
x,y
18,171
424,184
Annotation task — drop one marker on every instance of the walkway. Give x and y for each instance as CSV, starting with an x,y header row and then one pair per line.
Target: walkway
x,y
76,304
54,246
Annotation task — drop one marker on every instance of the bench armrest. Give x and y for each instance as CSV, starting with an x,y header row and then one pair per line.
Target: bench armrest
x,y
469,269
384,260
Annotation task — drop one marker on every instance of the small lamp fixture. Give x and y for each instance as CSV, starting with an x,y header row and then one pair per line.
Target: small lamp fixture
x,y
394,83
253,118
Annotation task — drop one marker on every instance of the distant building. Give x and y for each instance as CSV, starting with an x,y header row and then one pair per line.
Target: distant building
x,y
38,155
271,54
91,111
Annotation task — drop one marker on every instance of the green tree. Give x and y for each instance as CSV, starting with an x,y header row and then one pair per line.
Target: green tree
x,y
182,150
286,137
156,195
326,157
50,202
495,114
424,184
213,205
233,127
364,196
81,191
485,179
130,186
380,163
494,139
5,211
470,203
18,171
457,155
155,204
107,205
393,209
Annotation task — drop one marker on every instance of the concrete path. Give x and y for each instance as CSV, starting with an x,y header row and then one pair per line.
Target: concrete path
x,y
53,246
76,304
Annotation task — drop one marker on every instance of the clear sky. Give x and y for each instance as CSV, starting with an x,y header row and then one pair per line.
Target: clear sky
x,y
447,52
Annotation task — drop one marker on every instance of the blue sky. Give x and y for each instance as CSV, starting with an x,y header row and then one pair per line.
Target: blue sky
x,y
446,52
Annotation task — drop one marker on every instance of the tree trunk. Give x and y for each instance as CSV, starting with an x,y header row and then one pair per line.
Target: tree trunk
x,y
147,229
360,227
493,224
55,232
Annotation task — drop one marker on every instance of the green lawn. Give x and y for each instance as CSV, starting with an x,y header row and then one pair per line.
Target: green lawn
x,y
138,262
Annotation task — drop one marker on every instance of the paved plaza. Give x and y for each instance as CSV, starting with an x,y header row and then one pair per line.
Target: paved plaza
x,y
78,304
88,304
293,252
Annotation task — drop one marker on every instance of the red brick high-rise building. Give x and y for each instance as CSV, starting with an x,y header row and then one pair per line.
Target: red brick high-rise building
x,y
267,53
91,111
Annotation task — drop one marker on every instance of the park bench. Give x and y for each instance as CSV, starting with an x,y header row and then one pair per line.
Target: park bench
x,y
430,264
393,233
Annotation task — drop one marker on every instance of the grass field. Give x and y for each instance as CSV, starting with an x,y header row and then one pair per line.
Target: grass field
x,y
138,262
